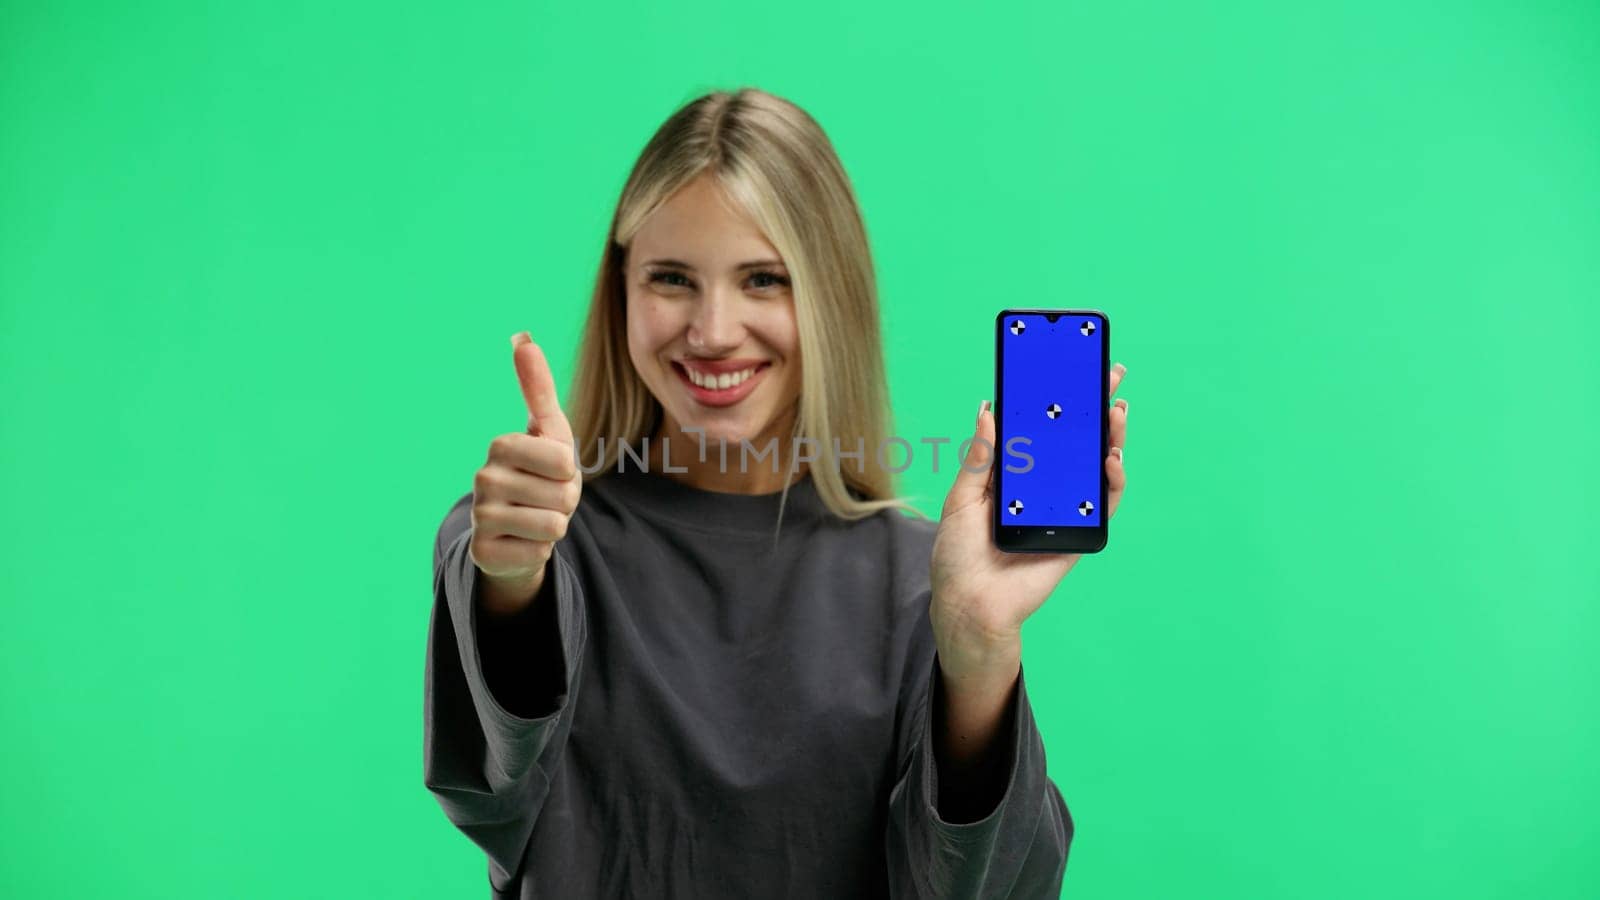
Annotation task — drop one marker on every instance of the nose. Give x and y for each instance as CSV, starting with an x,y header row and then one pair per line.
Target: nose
x,y
715,327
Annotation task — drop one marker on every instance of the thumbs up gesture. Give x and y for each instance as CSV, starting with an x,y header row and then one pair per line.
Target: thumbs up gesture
x,y
526,492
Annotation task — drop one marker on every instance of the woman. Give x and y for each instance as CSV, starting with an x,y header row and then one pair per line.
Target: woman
x,y
661,665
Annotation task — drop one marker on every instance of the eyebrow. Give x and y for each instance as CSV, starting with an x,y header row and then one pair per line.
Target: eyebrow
x,y
679,264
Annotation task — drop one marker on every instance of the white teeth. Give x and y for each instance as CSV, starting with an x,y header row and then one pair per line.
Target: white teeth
x,y
718,382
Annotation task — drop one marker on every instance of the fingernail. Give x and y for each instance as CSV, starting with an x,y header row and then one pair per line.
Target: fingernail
x,y
519,334
1117,452
1121,367
981,408
1122,403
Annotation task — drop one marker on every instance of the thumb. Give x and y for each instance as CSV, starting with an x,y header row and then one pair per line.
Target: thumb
x,y
538,389
972,477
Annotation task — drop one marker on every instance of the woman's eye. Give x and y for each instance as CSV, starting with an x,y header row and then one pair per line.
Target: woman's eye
x,y
775,279
661,278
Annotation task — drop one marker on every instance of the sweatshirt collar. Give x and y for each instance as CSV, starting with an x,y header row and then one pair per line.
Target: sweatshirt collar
x,y
665,496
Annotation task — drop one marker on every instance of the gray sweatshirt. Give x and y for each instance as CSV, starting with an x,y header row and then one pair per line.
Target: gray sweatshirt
x,y
694,709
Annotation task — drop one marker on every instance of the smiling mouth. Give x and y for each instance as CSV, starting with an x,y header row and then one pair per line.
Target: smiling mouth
x,y
717,382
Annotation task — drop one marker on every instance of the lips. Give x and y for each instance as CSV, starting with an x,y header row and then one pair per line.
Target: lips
x,y
721,366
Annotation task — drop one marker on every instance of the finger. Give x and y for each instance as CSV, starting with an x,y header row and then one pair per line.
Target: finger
x,y
1116,481
1116,474
517,488
503,551
534,453
1119,424
972,474
539,390
526,522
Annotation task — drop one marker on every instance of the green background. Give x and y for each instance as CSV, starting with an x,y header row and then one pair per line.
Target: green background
x,y
259,263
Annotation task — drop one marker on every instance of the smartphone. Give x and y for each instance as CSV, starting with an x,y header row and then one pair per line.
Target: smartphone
x,y
1052,417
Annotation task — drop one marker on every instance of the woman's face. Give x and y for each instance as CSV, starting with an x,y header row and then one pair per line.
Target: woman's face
x,y
711,323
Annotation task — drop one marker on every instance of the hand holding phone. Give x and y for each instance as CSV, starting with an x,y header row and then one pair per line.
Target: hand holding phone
x,y
989,574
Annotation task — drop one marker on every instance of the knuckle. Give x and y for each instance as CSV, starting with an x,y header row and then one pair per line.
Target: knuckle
x,y
481,552
483,482
568,465
557,458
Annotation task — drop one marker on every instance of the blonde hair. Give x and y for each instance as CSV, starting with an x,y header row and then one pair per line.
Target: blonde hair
x,y
773,159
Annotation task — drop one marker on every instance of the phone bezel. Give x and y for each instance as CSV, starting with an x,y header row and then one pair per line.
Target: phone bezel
x,y
1048,538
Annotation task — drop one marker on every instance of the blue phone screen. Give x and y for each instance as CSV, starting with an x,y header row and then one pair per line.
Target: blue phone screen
x,y
1050,409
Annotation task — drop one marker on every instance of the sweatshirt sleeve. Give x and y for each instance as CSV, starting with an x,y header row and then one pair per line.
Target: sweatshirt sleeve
x,y
1019,849
498,697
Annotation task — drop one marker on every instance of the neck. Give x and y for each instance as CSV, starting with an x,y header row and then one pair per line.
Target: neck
x,y
729,467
